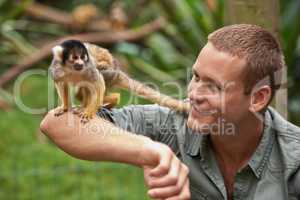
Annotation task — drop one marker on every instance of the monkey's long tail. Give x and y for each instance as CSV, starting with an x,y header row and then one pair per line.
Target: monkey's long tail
x,y
121,80
155,96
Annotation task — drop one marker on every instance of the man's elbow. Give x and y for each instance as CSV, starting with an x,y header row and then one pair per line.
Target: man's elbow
x,y
51,125
67,133
45,125
57,130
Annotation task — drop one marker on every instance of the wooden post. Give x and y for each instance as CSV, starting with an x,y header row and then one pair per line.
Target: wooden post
x,y
266,14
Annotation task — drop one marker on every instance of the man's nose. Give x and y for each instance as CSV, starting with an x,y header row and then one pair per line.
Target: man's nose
x,y
195,97
196,92
192,93
191,89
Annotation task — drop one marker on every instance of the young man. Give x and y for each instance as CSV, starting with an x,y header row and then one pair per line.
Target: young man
x,y
234,145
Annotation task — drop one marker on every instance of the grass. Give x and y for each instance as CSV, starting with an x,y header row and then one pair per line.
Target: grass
x,y
31,169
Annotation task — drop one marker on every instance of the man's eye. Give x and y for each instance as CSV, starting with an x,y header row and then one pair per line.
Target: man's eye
x,y
214,87
196,77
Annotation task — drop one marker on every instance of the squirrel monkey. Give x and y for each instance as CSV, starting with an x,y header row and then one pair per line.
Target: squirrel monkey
x,y
72,63
93,69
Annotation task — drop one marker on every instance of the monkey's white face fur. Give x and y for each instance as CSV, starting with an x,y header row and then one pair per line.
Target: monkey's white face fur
x,y
57,52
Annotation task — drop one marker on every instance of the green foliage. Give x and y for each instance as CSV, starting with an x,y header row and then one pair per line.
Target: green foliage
x,y
12,9
290,30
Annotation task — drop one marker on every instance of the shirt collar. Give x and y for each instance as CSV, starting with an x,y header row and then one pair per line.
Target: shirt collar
x,y
196,144
262,153
192,142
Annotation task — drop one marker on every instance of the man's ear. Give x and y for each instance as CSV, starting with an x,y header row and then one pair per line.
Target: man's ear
x,y
57,52
260,98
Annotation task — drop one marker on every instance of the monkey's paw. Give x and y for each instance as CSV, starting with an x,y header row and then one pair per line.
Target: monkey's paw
x,y
85,117
59,111
77,110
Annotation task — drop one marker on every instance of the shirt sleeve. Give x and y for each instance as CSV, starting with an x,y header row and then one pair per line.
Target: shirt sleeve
x,y
158,123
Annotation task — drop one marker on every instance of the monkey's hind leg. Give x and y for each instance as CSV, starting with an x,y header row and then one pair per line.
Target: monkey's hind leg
x,y
82,96
111,100
94,101
63,93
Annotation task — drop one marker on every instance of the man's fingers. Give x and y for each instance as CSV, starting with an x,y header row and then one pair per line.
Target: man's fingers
x,y
173,190
184,194
163,192
147,178
170,178
183,178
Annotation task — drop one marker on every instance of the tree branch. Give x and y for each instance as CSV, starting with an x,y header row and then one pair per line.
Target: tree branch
x,y
104,38
57,16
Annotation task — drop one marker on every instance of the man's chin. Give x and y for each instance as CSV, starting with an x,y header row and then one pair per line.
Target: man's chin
x,y
202,127
211,125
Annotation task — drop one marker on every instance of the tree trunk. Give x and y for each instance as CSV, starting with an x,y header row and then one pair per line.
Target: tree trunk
x,y
266,14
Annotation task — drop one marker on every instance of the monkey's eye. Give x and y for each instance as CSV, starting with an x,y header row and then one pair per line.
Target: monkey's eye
x,y
75,57
83,57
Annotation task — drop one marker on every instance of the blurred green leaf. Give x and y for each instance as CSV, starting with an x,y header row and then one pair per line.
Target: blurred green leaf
x,y
21,45
128,49
178,12
164,51
151,70
291,28
11,9
202,15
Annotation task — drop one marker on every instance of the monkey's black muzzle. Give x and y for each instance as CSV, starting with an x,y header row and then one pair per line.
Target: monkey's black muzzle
x,y
78,66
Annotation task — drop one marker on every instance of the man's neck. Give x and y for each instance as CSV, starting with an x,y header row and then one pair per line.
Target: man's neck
x,y
236,150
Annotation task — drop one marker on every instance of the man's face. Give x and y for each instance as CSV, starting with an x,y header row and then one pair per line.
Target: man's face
x,y
216,92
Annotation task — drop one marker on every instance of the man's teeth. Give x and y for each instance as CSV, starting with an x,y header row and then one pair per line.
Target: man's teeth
x,y
206,112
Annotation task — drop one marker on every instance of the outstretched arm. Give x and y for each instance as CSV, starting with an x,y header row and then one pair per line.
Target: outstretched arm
x,y
100,140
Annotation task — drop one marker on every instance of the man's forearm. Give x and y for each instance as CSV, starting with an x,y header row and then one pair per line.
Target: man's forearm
x,y
97,140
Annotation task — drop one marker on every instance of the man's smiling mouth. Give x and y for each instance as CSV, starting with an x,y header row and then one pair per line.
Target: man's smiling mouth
x,y
204,112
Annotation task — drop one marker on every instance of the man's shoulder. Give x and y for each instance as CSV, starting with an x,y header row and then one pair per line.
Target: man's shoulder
x,y
284,128
288,139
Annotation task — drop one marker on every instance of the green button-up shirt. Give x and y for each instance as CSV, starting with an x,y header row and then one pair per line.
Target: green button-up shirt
x,y
273,171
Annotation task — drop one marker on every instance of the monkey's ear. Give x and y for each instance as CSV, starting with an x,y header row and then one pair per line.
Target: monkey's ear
x,y
57,52
87,46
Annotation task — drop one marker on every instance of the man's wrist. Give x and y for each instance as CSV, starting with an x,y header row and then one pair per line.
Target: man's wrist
x,y
148,155
152,151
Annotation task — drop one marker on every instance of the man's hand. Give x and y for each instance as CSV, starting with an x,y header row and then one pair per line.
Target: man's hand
x,y
169,178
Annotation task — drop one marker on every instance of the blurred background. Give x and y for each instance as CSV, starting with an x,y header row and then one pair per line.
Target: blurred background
x,y
156,41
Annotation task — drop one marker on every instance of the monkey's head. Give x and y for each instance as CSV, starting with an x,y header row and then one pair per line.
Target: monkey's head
x,y
72,53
